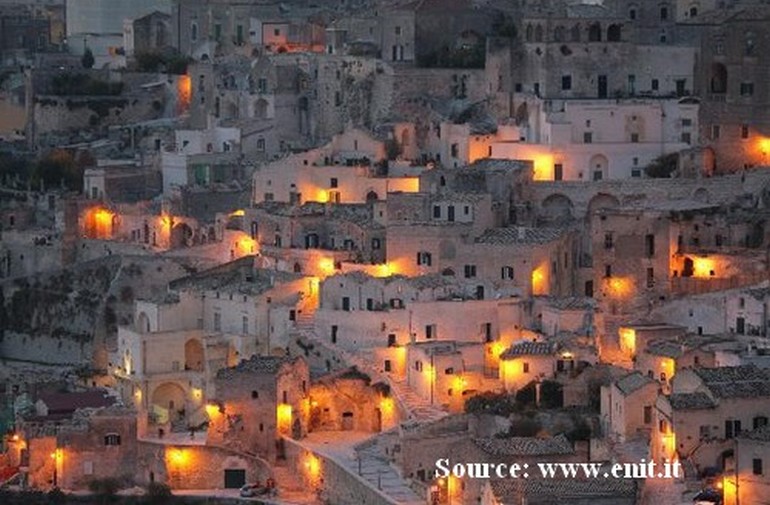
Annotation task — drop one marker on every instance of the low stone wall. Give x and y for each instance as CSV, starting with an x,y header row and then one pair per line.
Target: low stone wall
x,y
336,484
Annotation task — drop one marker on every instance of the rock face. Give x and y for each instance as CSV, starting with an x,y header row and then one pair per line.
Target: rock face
x,y
70,316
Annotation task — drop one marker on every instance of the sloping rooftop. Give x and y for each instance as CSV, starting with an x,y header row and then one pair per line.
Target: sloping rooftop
x,y
633,382
528,349
525,446
72,401
255,365
520,235
570,302
511,491
690,401
238,276
746,381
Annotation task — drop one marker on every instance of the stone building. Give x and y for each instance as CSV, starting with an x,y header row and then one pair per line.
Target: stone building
x,y
627,406
748,479
734,122
706,410
257,402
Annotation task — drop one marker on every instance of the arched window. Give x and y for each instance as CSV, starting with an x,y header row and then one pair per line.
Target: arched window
x,y
613,33
559,34
112,439
595,33
194,32
718,78
539,33
693,11
529,33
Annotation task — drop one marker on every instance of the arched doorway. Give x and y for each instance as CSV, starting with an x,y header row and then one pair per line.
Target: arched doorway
x,y
557,208
143,323
168,401
718,78
372,196
181,236
193,355
598,167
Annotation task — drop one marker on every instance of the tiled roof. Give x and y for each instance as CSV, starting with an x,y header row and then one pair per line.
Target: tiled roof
x,y
528,349
525,446
254,365
746,381
519,235
511,491
633,382
690,401
70,402
570,302
666,348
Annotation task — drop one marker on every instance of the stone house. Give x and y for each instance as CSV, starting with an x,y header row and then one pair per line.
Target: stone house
x,y
257,402
706,410
748,481
526,362
627,406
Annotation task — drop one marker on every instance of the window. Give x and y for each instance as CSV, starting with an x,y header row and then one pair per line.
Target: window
x,y
525,367
436,212
588,137
506,273
261,145
337,98
455,149
635,138
217,31
686,137
423,258
376,244
650,277
388,367
112,439
631,84
732,428
705,432
747,88
255,395
430,331
335,328
194,32
608,243
686,122
664,13
292,315
262,85
333,183
759,421
756,466
470,271
744,131
245,325
632,14
715,131
566,82
558,172
217,321
391,340
418,366
608,270
398,30
636,172
647,414
649,245
277,32
655,85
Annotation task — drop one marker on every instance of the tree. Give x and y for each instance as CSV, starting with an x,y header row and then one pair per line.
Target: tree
x,y
662,166
88,59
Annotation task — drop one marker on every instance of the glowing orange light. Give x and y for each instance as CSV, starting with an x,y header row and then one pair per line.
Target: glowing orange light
x,y
99,223
184,93
620,287
238,213
386,405
703,267
15,437
312,466
283,413
496,349
542,165
628,341
179,456
540,280
326,266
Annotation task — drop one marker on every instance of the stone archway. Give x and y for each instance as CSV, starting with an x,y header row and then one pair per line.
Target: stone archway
x,y
602,201
181,236
143,323
557,207
168,400
598,167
